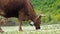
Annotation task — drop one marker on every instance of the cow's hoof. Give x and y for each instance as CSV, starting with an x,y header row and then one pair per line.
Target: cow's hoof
x,y
37,28
1,31
20,30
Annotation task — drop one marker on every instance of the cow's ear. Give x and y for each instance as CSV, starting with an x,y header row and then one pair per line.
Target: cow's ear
x,y
40,16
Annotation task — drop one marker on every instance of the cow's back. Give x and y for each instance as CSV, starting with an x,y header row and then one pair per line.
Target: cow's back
x,y
11,4
11,7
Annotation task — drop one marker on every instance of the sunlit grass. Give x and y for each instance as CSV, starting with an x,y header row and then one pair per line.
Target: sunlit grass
x,y
45,29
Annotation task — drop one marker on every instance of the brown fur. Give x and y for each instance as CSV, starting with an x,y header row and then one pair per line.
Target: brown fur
x,y
2,22
22,9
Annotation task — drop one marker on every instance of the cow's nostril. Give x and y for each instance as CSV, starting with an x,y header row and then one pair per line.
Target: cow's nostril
x,y
37,28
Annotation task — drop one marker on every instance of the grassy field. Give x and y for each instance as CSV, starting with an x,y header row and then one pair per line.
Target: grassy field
x,y
45,29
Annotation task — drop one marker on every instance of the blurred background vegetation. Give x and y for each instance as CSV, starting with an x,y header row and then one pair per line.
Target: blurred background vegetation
x,y
49,8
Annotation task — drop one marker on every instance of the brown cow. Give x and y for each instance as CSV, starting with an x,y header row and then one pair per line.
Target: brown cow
x,y
22,9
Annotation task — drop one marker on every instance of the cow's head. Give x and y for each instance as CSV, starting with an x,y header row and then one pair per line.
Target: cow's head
x,y
37,22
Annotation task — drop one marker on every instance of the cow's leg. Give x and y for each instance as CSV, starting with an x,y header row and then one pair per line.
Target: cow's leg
x,y
1,30
20,18
0,27
2,22
20,23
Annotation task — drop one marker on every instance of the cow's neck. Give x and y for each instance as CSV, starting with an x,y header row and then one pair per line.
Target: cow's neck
x,y
33,17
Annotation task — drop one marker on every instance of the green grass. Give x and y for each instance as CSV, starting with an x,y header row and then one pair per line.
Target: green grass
x,y
45,29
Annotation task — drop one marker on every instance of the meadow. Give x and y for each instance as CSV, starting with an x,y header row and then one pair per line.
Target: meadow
x,y
45,29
